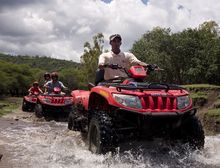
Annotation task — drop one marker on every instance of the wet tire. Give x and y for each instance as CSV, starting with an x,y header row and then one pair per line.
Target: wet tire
x,y
25,105
70,120
38,111
100,135
192,133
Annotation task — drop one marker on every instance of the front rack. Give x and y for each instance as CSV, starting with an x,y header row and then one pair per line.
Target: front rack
x,y
144,86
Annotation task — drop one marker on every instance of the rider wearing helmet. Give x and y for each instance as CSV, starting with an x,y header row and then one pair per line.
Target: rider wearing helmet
x,y
46,79
35,88
54,82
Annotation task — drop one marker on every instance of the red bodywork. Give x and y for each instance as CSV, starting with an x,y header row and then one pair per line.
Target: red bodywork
x,y
137,72
55,100
153,101
31,98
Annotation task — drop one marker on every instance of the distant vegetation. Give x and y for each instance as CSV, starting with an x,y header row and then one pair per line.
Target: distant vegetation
x,y
44,63
188,57
17,73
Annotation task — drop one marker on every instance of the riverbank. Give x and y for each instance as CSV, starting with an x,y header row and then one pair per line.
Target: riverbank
x,y
207,99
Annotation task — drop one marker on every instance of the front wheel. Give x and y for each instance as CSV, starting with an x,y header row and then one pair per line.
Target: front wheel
x,y
70,120
100,133
192,133
38,110
24,105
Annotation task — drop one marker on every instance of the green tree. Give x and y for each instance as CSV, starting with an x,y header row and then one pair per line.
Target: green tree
x,y
155,48
190,56
89,59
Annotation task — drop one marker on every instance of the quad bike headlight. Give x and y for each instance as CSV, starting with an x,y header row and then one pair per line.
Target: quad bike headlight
x,y
183,101
128,100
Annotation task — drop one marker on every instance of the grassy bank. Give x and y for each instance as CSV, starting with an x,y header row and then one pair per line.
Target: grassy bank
x,y
7,105
207,98
200,87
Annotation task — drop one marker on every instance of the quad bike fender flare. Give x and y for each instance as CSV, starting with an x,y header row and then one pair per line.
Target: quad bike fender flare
x,y
80,98
30,99
190,112
101,96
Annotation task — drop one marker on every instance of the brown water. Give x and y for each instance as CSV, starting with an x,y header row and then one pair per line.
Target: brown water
x,y
51,145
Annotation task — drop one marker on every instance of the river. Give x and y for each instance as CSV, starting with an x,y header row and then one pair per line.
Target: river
x,y
52,145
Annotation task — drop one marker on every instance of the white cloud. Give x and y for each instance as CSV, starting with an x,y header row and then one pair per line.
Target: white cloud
x,y
59,28
38,24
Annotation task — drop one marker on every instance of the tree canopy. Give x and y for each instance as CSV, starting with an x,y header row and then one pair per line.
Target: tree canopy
x,y
190,56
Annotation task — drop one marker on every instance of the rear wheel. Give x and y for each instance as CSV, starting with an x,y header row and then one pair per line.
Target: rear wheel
x,y
100,135
38,110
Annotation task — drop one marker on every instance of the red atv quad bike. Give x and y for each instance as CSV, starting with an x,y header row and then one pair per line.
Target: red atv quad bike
x,y
29,101
123,109
56,104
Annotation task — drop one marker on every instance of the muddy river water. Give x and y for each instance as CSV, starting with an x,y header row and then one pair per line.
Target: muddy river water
x,y
52,145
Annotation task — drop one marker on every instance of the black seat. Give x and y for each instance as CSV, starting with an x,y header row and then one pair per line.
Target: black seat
x,y
99,76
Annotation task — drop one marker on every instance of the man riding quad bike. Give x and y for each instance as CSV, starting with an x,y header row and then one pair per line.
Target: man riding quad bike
x,y
117,110
54,102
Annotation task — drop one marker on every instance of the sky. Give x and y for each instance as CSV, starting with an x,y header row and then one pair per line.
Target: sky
x,y
59,28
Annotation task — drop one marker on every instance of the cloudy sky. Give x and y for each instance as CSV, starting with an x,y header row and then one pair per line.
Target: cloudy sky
x,y
59,28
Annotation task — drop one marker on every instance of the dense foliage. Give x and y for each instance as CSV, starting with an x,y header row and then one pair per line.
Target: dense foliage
x,y
17,73
190,56
15,79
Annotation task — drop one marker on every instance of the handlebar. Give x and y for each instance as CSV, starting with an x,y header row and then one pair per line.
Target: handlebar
x,y
153,67
149,67
113,66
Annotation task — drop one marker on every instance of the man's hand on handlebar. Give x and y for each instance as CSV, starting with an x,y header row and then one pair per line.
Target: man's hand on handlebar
x,y
149,67
153,67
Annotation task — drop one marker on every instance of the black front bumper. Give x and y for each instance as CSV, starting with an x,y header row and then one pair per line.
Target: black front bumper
x,y
189,112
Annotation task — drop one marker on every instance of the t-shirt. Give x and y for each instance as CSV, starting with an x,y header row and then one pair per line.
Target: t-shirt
x,y
124,59
34,89
52,85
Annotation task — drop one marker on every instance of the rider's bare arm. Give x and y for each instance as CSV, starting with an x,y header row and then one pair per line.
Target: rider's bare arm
x,y
40,90
133,60
142,64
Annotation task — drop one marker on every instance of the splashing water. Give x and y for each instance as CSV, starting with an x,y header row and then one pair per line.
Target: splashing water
x,y
50,144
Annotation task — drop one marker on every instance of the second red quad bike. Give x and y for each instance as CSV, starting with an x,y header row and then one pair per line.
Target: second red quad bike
x,y
56,104
29,101
123,109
